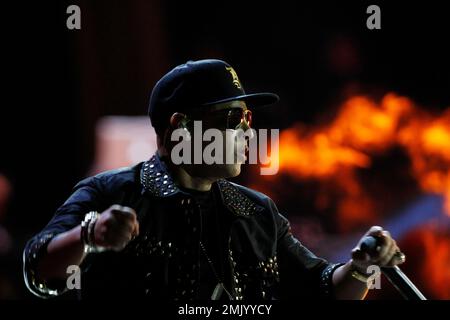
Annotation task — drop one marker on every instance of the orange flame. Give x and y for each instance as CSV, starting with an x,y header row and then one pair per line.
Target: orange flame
x,y
361,130
437,269
427,141
430,250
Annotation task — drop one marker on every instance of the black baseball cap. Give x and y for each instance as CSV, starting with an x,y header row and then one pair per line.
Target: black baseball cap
x,y
197,84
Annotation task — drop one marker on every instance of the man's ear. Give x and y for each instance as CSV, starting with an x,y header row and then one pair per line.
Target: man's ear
x,y
178,120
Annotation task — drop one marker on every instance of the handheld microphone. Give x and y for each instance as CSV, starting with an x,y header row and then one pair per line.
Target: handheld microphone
x,y
395,276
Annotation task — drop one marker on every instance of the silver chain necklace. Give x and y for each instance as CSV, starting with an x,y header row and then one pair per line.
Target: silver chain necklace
x,y
220,287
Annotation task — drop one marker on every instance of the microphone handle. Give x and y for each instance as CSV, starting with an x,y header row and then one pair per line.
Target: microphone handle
x,y
402,283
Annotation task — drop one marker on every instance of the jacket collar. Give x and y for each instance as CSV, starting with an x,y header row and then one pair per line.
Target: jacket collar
x,y
156,180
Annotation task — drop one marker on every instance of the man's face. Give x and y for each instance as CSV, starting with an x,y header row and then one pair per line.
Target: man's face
x,y
226,117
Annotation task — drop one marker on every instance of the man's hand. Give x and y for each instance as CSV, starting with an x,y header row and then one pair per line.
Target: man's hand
x,y
115,227
388,253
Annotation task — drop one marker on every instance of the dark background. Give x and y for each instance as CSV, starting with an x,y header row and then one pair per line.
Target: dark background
x,y
58,82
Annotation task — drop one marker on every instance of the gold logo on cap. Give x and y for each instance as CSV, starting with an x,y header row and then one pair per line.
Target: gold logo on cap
x,y
236,81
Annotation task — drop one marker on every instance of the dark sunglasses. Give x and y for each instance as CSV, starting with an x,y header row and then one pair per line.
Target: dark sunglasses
x,y
226,118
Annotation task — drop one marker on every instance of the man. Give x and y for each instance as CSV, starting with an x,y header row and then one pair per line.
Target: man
x,y
182,231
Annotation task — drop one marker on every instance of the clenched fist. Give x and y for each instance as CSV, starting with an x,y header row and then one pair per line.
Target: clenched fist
x,y
115,227
388,253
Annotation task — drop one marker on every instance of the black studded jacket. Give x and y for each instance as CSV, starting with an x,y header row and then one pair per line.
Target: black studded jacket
x,y
264,260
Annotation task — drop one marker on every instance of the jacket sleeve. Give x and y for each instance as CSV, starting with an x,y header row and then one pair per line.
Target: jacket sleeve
x,y
302,273
87,196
